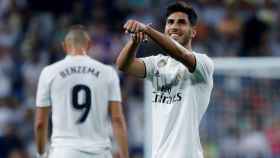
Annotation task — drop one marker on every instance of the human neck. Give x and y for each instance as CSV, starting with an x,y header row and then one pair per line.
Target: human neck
x,y
188,45
77,53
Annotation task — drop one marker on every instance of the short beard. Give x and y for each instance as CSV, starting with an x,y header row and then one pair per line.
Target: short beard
x,y
185,40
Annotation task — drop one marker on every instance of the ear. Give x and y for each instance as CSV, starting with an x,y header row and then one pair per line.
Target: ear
x,y
193,32
89,45
63,44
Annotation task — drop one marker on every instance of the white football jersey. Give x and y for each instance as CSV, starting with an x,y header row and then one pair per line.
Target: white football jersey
x,y
78,90
180,99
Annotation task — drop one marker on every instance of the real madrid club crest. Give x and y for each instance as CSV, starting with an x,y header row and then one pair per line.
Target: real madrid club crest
x,y
161,63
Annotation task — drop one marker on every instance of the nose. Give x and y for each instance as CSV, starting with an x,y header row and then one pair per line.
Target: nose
x,y
174,26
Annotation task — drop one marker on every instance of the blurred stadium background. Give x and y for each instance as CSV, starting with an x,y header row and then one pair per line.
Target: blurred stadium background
x,y
243,118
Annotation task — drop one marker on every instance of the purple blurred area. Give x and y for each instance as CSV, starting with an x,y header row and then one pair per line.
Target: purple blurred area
x,y
236,126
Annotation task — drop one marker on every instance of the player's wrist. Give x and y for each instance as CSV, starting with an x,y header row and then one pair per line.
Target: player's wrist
x,y
147,28
134,42
43,155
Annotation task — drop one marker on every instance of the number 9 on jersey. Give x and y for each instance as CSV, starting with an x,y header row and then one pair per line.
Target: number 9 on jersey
x,y
83,105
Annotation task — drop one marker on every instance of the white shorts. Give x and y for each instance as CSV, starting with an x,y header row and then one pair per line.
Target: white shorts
x,y
72,153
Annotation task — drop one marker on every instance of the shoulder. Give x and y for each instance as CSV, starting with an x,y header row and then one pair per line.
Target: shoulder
x,y
97,63
103,67
56,64
204,68
52,69
203,55
108,71
205,59
47,69
111,70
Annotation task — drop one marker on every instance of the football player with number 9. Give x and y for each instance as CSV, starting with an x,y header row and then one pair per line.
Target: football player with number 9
x,y
82,94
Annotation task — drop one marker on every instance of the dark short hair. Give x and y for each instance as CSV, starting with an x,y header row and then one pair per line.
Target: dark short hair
x,y
185,8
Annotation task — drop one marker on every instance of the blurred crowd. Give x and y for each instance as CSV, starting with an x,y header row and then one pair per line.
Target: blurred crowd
x,y
243,117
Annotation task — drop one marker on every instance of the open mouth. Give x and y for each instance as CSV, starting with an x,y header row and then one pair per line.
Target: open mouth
x,y
174,35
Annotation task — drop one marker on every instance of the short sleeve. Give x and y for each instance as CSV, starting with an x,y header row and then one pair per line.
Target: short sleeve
x,y
149,66
43,98
114,87
204,68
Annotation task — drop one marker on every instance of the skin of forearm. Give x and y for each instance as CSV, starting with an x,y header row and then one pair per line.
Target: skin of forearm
x,y
127,55
120,133
172,48
41,133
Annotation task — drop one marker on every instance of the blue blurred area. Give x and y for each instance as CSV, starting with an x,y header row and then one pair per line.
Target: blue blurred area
x,y
31,33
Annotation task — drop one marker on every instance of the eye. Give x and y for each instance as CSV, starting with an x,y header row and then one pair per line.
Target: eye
x,y
182,21
170,21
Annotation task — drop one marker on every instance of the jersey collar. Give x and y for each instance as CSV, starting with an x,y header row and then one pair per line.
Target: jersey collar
x,y
76,56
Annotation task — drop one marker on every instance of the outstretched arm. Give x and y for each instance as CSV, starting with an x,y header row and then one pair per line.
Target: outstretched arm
x,y
173,48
